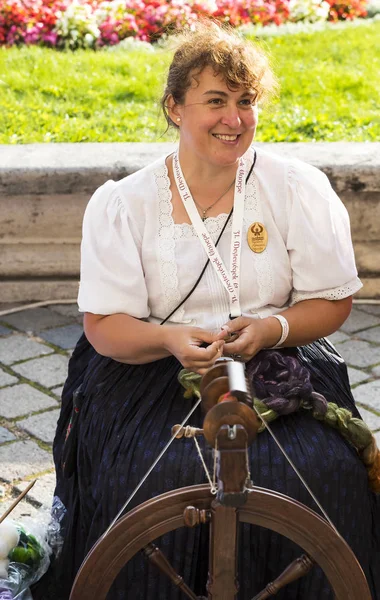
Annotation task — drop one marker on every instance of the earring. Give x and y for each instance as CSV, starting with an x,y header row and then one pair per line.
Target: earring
x,y
178,119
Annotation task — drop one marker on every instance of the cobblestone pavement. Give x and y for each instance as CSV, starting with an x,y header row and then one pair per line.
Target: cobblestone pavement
x,y
35,347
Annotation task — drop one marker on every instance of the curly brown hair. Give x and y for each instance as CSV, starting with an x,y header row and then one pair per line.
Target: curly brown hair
x,y
240,62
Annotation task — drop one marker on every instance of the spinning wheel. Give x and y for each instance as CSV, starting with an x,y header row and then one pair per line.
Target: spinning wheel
x,y
229,427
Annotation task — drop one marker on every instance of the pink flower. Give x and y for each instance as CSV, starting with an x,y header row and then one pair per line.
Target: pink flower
x,y
33,21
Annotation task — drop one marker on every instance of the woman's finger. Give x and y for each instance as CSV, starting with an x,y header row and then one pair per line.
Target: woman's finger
x,y
206,361
203,335
227,336
246,349
208,353
234,347
237,324
223,334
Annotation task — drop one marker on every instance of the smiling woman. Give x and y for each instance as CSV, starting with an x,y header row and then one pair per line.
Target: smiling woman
x,y
265,297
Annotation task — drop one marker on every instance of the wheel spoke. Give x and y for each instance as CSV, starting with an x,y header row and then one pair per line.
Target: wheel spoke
x,y
297,569
157,558
264,508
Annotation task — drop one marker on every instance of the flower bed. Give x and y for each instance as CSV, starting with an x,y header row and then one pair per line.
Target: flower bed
x,y
96,23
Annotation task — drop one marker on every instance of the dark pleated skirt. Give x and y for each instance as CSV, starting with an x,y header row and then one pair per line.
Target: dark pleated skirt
x,y
125,419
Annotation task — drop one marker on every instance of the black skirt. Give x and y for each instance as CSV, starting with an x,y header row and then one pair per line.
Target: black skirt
x,y
123,420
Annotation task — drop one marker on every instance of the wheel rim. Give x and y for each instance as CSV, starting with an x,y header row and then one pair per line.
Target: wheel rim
x,y
265,508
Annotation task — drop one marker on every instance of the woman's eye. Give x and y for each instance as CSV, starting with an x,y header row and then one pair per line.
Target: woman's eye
x,y
247,102
216,101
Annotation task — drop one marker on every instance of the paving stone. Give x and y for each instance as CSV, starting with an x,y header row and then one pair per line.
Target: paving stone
x,y
372,420
58,391
369,394
356,376
36,319
49,371
372,309
376,371
370,335
68,310
359,320
338,336
20,347
42,491
64,337
6,436
23,512
22,399
359,354
42,426
5,330
21,459
6,379
377,436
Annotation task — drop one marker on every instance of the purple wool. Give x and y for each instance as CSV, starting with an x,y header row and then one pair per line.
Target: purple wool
x,y
283,384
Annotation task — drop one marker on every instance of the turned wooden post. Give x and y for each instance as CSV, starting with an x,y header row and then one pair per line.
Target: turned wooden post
x,y
231,445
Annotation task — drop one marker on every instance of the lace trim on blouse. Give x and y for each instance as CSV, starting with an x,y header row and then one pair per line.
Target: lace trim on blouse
x,y
170,231
337,293
214,227
166,245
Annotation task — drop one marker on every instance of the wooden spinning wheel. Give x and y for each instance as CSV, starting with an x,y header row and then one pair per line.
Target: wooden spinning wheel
x,y
230,425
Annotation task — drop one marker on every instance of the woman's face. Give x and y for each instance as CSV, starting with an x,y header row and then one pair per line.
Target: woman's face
x,y
216,125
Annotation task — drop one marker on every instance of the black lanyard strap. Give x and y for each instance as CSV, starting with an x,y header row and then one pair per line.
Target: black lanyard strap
x,y
208,260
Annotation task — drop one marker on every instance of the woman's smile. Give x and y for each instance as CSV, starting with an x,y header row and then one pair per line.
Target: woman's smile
x,y
227,138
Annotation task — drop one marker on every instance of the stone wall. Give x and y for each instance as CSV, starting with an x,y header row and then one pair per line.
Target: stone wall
x,y
44,189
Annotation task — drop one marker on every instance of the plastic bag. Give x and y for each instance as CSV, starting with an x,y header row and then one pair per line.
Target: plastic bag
x,y
54,531
39,537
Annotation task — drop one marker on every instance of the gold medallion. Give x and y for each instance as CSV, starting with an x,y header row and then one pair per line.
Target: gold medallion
x,y
257,237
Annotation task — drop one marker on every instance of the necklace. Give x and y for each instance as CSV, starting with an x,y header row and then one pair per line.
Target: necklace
x,y
205,210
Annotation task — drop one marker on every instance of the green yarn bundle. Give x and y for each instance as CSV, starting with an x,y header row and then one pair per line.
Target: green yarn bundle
x,y
352,429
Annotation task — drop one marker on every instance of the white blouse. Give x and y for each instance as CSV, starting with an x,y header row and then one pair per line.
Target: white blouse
x,y
136,260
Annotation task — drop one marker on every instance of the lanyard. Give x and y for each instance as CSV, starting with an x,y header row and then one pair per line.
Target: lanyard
x,y
230,279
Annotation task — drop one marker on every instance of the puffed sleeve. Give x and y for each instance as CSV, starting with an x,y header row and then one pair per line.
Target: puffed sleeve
x,y
319,238
112,277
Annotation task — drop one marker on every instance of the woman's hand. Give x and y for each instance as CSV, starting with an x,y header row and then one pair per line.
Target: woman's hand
x,y
252,336
137,342
185,344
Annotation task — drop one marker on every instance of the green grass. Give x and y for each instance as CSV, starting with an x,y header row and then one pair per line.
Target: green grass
x,y
330,90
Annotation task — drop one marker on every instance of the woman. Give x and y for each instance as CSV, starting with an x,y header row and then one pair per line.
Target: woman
x,y
285,249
